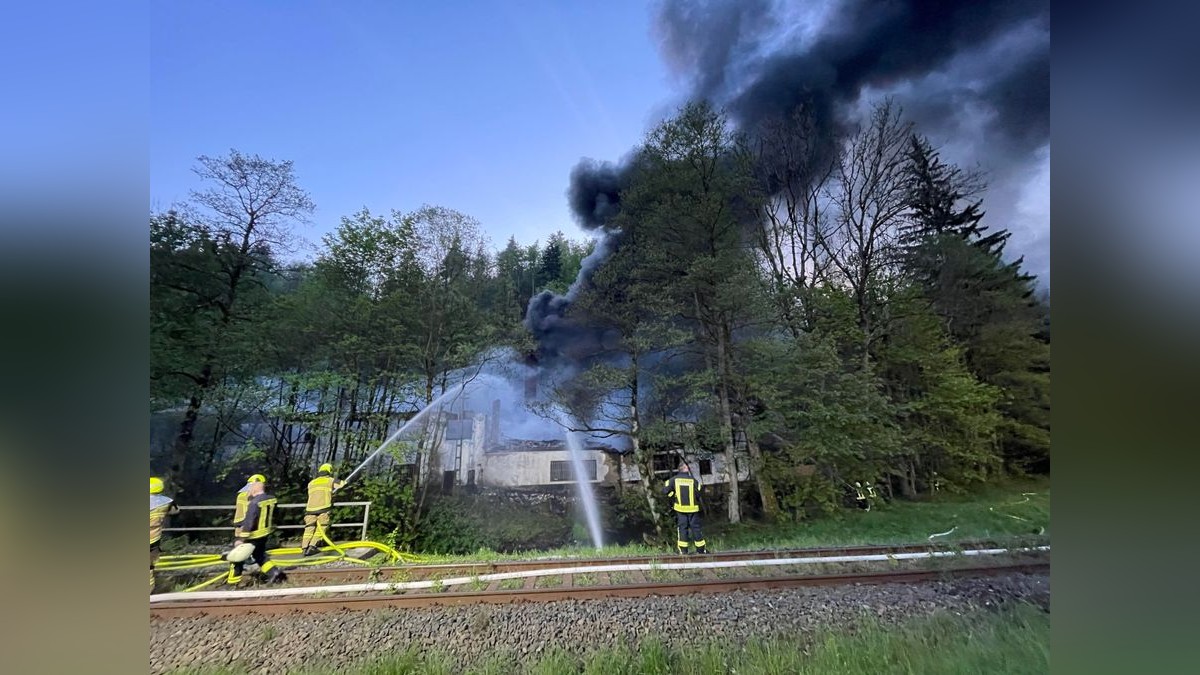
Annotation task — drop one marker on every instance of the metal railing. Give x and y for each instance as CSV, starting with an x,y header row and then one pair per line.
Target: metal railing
x,y
362,524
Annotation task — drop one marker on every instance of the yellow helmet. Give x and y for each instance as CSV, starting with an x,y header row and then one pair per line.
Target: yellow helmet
x,y
156,485
257,478
326,467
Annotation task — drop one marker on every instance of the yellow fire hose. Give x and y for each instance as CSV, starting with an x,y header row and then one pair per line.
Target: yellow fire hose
x,y
333,552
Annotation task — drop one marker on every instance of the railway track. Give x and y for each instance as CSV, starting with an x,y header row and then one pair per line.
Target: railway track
x,y
549,580
357,574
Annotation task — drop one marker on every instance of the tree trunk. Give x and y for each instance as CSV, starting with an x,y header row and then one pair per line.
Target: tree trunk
x,y
645,465
620,476
187,429
864,322
907,488
425,475
734,501
765,489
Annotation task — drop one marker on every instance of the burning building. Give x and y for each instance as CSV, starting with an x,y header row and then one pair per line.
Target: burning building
x,y
473,451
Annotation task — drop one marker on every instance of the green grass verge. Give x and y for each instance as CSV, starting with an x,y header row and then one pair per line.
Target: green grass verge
x,y
1001,512
1012,640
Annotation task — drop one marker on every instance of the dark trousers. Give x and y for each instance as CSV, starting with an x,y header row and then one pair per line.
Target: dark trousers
x,y
154,553
689,530
259,556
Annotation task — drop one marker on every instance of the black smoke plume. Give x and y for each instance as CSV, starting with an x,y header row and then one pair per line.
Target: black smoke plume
x,y
972,75
594,193
944,61
746,55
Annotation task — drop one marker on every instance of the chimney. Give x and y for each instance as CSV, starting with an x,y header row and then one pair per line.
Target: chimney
x,y
531,382
492,433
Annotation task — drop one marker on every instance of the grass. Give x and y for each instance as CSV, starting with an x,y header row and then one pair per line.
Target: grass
x,y
567,552
986,515
512,584
1002,512
1015,639
549,582
659,575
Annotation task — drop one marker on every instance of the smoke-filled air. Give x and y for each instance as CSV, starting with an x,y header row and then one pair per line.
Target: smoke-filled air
x,y
789,290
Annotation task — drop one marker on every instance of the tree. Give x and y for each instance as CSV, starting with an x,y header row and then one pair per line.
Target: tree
x,y
986,304
794,167
512,298
449,330
549,273
936,193
243,218
688,204
948,417
606,397
826,422
572,260
870,198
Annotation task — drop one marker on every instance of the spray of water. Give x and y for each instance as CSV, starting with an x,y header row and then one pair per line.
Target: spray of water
x,y
584,486
447,396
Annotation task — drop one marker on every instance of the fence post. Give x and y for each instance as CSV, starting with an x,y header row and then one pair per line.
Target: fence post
x,y
366,518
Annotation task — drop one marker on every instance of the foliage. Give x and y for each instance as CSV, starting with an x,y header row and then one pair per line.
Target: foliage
x,y
803,496
448,529
831,309
391,506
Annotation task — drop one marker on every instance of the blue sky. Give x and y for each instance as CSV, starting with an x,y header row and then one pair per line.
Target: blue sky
x,y
480,106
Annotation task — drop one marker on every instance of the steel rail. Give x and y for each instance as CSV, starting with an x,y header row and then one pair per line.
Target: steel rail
x,y
310,604
317,575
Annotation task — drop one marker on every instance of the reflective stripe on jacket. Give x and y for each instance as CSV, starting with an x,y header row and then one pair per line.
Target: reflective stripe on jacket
x,y
320,494
260,516
157,516
685,490
239,506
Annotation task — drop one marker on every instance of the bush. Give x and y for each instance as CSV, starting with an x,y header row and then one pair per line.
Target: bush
x,y
804,497
447,528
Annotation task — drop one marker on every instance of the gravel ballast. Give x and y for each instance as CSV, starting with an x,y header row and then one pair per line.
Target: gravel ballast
x,y
472,633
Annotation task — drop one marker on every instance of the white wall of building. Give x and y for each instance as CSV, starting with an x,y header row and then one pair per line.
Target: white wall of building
x,y
716,473
536,467
514,467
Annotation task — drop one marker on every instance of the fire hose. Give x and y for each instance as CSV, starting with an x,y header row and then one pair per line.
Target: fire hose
x,y
331,552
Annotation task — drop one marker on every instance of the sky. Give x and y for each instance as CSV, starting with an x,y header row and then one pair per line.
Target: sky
x,y
482,107
485,107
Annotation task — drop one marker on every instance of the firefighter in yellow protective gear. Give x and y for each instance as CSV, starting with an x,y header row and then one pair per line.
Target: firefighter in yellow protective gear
x,y
316,512
252,534
860,496
685,490
243,498
161,506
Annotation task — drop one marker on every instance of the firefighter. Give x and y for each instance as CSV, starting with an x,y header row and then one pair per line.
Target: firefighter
x,y
316,512
243,497
873,497
860,497
252,534
161,506
685,490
